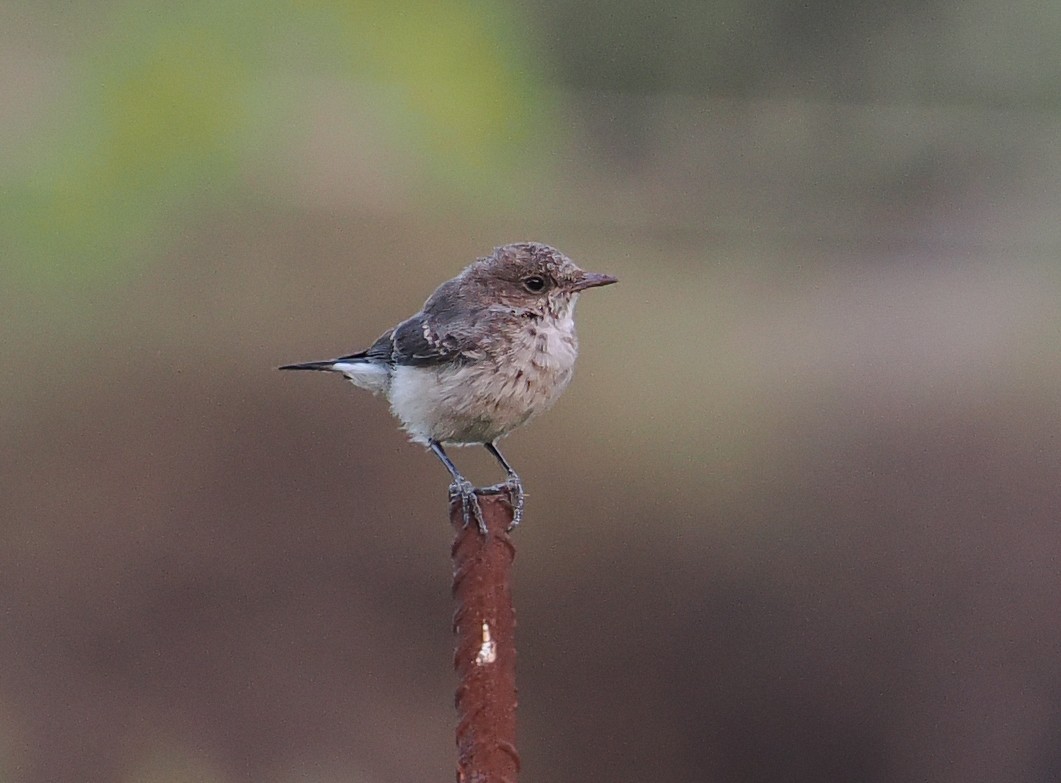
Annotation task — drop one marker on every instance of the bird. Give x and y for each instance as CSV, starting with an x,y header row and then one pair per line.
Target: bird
x,y
491,349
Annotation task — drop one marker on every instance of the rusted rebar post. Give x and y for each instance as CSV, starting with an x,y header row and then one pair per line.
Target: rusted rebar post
x,y
485,659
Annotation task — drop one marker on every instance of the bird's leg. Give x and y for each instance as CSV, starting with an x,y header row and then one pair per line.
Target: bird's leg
x,y
514,484
461,488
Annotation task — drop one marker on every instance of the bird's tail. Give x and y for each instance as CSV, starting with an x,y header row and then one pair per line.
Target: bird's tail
x,y
326,366
358,368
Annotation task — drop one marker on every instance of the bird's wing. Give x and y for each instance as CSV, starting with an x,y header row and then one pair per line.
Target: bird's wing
x,y
446,330
417,341
423,340
380,351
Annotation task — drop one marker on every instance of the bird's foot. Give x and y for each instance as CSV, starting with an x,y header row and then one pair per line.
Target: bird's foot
x,y
518,496
465,490
514,488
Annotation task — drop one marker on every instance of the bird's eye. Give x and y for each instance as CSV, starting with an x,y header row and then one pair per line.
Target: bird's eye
x,y
535,284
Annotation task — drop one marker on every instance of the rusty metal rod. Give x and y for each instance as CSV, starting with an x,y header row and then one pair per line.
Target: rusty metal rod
x,y
485,658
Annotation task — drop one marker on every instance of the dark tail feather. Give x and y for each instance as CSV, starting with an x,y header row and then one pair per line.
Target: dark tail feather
x,y
309,366
328,365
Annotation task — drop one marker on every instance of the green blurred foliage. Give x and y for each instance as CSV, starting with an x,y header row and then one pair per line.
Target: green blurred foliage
x,y
153,121
461,79
172,107
935,52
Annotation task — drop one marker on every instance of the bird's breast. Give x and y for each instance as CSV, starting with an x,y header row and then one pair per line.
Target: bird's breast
x,y
537,365
481,400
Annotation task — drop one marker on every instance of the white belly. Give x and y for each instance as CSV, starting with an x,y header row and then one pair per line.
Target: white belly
x,y
482,401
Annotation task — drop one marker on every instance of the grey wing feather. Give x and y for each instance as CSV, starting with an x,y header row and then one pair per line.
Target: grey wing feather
x,y
446,330
418,342
380,351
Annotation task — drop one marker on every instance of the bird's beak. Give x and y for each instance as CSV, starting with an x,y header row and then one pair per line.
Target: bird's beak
x,y
592,280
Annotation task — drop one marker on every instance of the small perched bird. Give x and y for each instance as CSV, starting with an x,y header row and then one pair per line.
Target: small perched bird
x,y
492,348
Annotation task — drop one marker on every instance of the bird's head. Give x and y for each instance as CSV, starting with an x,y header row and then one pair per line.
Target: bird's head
x,y
533,276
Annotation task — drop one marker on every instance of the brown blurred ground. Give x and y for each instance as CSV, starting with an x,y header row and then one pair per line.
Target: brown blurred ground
x,y
822,546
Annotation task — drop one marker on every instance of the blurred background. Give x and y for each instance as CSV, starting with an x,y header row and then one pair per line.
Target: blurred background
x,y
798,518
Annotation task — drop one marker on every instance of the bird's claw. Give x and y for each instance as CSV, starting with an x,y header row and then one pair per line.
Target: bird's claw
x,y
465,490
515,488
512,487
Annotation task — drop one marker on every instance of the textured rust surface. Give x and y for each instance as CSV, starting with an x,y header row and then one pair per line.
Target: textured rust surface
x,y
485,658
